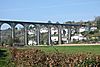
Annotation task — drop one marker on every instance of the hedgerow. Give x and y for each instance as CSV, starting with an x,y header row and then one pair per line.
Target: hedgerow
x,y
37,58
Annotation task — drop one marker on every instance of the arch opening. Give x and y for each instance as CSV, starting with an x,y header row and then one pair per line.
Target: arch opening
x,y
43,35
6,38
32,35
64,36
54,34
19,35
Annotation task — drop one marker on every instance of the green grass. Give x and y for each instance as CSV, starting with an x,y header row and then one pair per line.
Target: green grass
x,y
4,57
70,49
94,49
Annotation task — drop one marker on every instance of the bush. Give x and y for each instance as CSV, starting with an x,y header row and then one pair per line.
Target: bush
x,y
37,58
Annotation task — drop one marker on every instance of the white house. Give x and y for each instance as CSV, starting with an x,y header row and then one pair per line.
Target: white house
x,y
82,29
78,37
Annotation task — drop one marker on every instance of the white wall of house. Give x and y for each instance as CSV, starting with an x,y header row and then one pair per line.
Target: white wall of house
x,y
82,29
43,31
54,38
31,42
93,28
78,37
53,30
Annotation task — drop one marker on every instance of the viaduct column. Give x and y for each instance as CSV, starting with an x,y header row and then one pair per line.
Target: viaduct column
x,y
38,34
13,32
59,35
69,34
26,34
49,35
0,33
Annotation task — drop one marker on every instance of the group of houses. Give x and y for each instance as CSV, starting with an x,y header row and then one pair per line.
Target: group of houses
x,y
64,34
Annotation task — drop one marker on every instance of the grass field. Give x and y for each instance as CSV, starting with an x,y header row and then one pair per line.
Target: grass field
x,y
70,49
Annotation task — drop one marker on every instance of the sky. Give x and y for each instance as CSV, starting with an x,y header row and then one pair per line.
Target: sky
x,y
53,10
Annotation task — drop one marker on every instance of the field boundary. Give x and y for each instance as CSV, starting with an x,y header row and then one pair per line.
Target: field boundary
x,y
77,44
71,45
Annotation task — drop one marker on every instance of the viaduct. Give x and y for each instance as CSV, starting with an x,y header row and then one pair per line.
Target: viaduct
x,y
37,26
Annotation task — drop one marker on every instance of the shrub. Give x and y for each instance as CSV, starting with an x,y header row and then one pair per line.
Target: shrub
x,y
37,58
